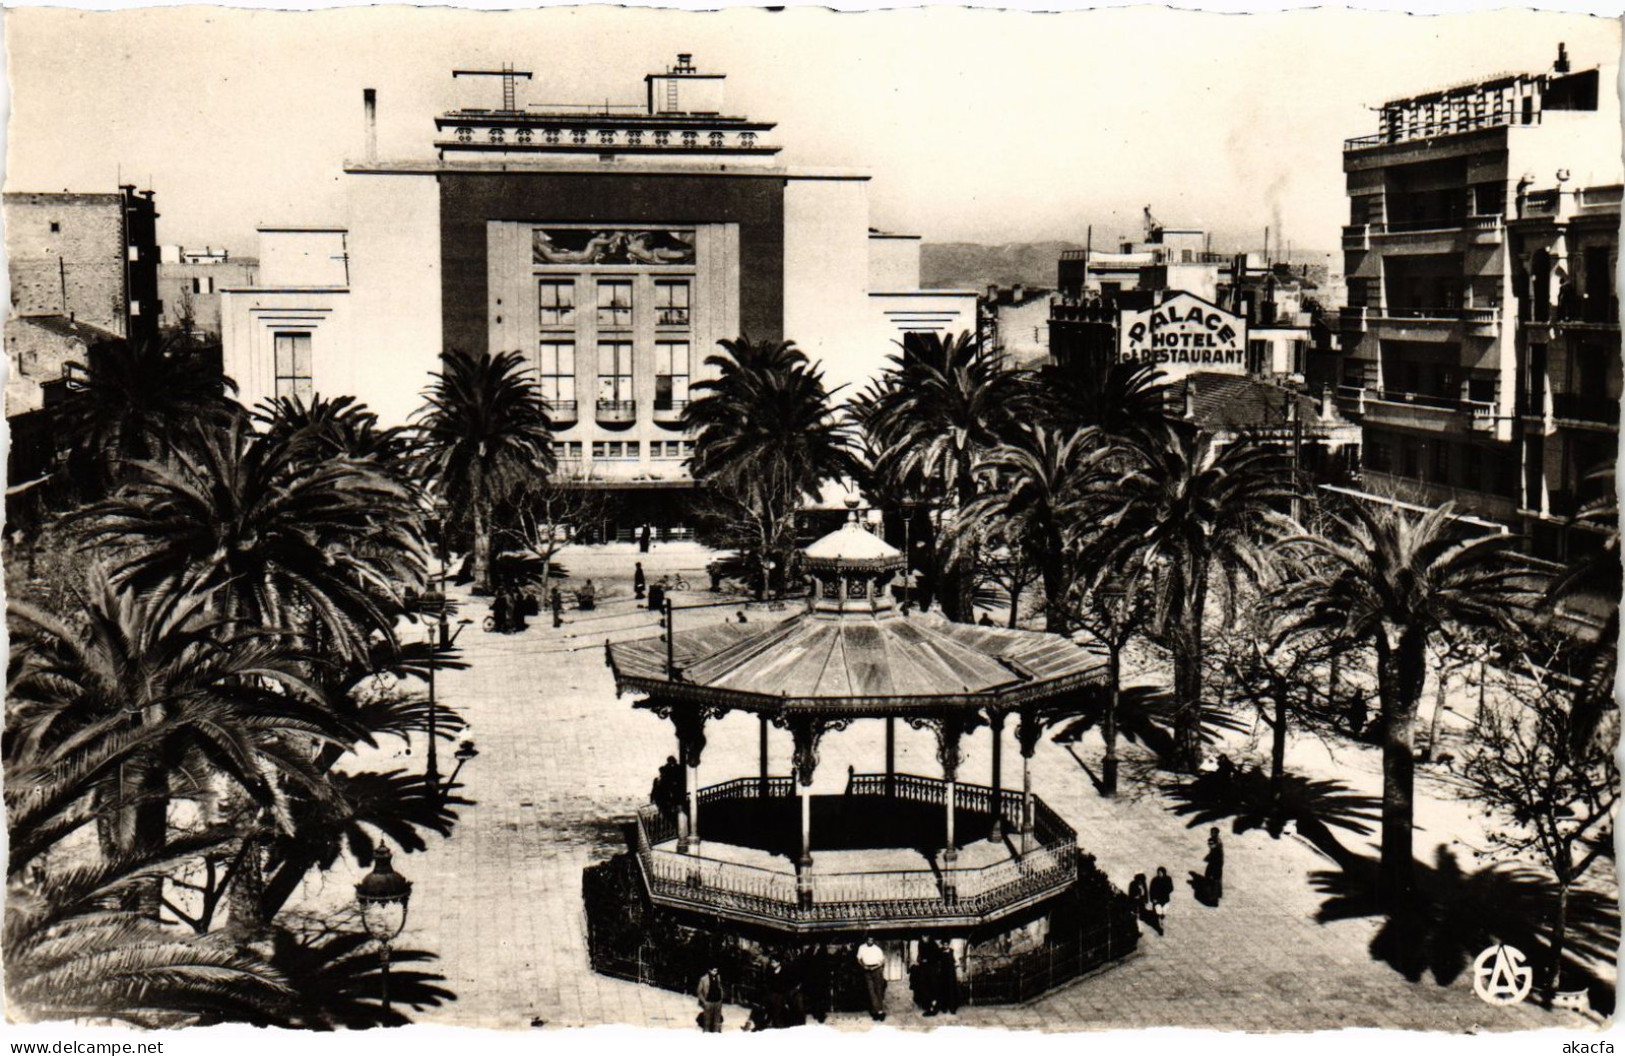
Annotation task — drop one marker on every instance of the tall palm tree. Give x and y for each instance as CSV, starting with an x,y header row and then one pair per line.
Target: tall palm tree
x,y
945,404
132,401
1397,580
322,549
482,431
1036,478
1188,515
765,439
1597,574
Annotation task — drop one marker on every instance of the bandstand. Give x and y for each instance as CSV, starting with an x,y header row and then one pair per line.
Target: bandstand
x,y
893,854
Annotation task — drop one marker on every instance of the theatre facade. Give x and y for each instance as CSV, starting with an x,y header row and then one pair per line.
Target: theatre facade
x,y
613,246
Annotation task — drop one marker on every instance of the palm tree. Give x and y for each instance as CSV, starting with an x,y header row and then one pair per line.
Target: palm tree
x,y
482,432
132,401
326,429
1036,477
319,548
1397,580
1126,400
1187,515
945,404
140,700
765,439
1596,574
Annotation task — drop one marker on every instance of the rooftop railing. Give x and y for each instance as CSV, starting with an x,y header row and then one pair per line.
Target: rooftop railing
x,y
1413,130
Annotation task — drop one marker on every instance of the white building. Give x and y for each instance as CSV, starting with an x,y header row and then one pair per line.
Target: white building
x,y
613,246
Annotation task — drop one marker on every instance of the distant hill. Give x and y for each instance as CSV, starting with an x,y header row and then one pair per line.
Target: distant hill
x,y
973,266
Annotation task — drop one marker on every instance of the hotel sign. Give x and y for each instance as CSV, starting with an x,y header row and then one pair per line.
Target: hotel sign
x,y
1184,335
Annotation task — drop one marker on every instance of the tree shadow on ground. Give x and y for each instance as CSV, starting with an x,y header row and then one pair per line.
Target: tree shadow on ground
x,y
1248,797
1453,915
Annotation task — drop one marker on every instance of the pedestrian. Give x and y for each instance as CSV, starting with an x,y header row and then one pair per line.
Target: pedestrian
x,y
587,597
709,993
657,596
499,612
740,616
643,539
921,979
638,581
985,621
1162,892
556,600
815,982
872,960
516,609
946,990
1215,866
1140,894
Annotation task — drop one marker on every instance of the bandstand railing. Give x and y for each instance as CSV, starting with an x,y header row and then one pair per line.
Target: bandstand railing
x,y
848,899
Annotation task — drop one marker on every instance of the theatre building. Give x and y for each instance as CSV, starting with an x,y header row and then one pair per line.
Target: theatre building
x,y
613,245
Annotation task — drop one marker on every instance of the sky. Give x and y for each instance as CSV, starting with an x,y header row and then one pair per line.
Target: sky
x,y
984,126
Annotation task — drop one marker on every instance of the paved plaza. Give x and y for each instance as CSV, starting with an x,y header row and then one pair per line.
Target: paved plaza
x,y
563,763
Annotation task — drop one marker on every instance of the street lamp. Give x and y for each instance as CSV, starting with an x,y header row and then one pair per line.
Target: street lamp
x,y
383,895
1110,598
434,601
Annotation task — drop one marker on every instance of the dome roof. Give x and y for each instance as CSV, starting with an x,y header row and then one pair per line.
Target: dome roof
x,y
853,546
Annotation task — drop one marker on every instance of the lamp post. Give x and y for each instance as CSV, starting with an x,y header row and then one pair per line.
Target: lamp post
x,y
383,895
1110,598
436,601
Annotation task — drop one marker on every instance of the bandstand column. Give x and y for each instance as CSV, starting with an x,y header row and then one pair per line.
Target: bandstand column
x,y
762,788
995,721
805,733
949,730
891,755
690,723
1028,729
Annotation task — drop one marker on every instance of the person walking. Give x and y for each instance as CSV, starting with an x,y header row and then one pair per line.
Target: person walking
x,y
872,960
1162,892
639,581
556,600
499,612
1215,866
709,993
643,539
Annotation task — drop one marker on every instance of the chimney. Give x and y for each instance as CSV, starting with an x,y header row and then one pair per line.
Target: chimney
x,y
369,107
1325,403
1562,63
1017,292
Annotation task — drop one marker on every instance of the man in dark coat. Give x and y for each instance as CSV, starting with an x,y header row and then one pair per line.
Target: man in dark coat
x,y
709,993
1215,866
639,581
1162,891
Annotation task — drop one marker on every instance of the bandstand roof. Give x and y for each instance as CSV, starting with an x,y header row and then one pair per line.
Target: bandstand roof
x,y
863,660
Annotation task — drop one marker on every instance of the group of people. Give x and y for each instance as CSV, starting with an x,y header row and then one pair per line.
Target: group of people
x,y
509,608
1151,897
656,592
934,979
670,789
791,992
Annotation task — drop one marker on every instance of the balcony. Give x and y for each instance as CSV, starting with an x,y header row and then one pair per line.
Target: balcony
x,y
561,412
617,411
1573,408
1407,131
1351,399
728,876
1351,318
1477,322
1417,410
669,410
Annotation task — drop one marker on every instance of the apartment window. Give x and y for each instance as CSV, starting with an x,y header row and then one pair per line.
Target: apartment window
x,y
1481,389
197,285
1379,456
671,374
56,227
1258,356
567,450
292,355
558,372
1410,458
671,302
556,302
614,303
671,450
1441,462
615,371
615,449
